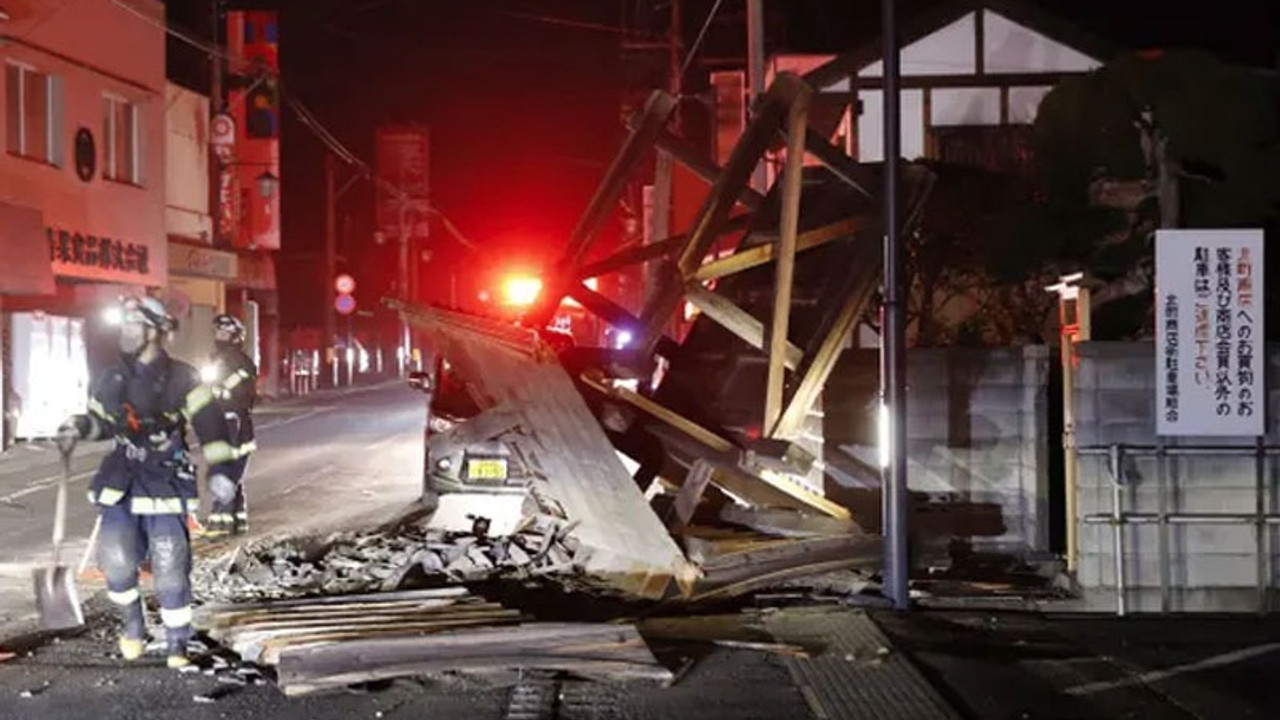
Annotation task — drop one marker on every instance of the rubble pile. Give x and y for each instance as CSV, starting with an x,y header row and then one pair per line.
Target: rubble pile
x,y
325,643
381,561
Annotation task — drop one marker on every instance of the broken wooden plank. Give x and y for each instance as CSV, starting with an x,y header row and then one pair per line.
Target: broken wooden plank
x,y
741,323
229,618
705,545
765,488
354,621
787,523
689,495
266,649
766,253
740,573
614,652
780,348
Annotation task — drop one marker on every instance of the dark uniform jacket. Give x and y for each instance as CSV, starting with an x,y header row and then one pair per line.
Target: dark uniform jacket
x,y
147,410
236,391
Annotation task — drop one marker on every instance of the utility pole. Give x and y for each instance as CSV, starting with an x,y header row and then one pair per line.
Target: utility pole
x,y
755,74
215,107
330,258
403,283
893,340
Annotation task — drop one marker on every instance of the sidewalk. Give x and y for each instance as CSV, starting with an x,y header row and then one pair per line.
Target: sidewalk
x,y
849,670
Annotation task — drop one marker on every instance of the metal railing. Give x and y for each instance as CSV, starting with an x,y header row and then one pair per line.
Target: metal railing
x,y
1118,518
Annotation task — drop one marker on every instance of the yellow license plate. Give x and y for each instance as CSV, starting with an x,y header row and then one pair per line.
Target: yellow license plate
x,y
487,469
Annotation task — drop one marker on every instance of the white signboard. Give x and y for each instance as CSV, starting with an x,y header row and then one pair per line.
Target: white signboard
x,y
1210,354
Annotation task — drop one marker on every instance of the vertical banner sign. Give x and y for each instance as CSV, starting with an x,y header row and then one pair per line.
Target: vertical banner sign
x,y
1210,354
254,101
403,161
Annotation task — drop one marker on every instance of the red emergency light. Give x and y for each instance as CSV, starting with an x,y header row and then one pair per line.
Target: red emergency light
x,y
521,290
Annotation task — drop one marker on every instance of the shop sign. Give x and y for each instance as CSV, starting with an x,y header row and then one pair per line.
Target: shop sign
x,y
204,262
80,251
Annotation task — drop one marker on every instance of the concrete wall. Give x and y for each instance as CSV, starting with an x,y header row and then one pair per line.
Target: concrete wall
x,y
1212,568
186,188
977,433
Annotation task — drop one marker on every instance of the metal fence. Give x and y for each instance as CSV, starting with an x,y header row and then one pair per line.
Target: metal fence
x,y
1118,518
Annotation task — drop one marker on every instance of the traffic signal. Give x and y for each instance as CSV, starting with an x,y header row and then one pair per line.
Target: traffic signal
x,y
262,111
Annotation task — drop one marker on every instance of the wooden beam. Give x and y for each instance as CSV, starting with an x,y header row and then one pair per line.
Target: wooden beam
x,y
992,80
715,210
765,253
643,253
703,166
824,358
980,42
737,321
792,176
738,573
769,490
670,417
763,489
841,165
653,119
657,109
617,316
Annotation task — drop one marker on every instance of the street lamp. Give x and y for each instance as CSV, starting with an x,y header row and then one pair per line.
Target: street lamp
x,y
267,185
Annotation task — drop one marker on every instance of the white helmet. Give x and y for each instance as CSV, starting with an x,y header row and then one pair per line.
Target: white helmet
x,y
148,311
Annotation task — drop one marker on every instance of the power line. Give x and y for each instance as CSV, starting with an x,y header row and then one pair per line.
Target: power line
x,y
212,51
206,48
563,22
701,35
305,116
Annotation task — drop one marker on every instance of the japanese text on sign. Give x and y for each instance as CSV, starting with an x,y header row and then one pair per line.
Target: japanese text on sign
x,y
1209,325
91,251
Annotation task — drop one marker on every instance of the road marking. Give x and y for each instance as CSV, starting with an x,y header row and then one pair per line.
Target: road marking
x,y
43,484
296,418
1153,676
52,480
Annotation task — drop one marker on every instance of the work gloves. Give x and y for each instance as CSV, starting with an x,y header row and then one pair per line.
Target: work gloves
x,y
71,432
222,488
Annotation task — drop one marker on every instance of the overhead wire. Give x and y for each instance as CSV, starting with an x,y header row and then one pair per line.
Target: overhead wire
x,y
702,34
305,116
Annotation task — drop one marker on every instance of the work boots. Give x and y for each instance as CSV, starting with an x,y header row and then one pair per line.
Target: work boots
x,y
219,525
133,636
176,639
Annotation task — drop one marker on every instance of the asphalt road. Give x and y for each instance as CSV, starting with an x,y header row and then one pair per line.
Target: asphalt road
x,y
324,461
1027,666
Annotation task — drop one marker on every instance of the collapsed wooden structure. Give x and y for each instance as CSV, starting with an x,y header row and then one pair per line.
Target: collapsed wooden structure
x,y
727,425
720,499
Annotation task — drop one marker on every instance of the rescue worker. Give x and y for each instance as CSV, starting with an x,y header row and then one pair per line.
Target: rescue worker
x,y
233,378
146,485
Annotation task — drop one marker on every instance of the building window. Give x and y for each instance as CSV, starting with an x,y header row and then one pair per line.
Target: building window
x,y
33,106
122,161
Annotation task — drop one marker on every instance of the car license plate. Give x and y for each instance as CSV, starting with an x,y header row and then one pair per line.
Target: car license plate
x,y
487,469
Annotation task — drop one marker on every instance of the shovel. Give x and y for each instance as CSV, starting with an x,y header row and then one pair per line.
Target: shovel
x,y
56,598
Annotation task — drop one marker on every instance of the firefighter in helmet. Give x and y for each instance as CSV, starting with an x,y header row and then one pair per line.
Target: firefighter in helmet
x,y
233,379
146,486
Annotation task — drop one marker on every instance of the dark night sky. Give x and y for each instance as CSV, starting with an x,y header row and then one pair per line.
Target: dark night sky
x,y
525,114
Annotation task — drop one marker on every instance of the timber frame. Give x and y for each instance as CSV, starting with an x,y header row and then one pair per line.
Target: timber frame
x,y
796,375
